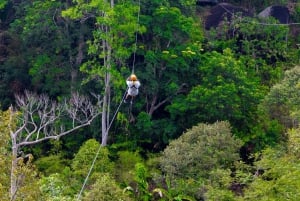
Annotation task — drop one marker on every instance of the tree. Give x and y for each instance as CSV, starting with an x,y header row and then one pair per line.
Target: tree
x,y
224,92
52,188
106,189
83,160
124,166
25,169
189,161
199,150
13,69
3,3
66,182
283,101
52,47
265,48
172,42
4,154
168,56
278,172
113,42
39,119
278,111
204,163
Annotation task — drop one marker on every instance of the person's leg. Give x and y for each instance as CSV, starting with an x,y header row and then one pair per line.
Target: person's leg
x,y
131,101
126,97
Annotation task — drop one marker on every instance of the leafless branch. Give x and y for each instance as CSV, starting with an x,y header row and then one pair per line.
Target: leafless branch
x,y
42,119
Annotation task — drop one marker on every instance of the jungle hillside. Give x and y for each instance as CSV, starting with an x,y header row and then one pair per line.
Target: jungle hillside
x,y
216,117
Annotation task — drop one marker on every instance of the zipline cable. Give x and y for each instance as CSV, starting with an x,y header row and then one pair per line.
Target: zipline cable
x,y
118,108
260,23
136,36
98,151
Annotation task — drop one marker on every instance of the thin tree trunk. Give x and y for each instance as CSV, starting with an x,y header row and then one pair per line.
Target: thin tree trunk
x,y
78,61
38,122
105,114
13,176
107,91
106,98
14,164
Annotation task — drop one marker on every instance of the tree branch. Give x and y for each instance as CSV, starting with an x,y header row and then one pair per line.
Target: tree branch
x,y
155,106
42,119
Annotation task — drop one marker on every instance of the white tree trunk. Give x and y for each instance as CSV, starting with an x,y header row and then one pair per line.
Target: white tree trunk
x,y
105,121
13,175
38,122
105,112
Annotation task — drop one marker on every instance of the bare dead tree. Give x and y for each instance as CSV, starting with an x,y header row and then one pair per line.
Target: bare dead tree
x,y
36,118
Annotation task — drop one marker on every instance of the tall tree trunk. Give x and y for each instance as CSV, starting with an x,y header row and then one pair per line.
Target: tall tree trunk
x,y
13,172
106,110
78,62
14,163
38,122
105,122
107,92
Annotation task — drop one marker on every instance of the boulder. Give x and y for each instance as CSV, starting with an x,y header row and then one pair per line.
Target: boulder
x,y
281,13
221,11
206,2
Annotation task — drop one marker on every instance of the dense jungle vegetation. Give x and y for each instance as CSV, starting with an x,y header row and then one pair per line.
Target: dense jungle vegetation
x,y
216,118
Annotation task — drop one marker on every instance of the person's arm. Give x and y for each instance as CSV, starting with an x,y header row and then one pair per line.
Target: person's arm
x,y
137,84
129,83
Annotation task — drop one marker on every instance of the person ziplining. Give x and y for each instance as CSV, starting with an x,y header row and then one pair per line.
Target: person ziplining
x,y
133,88
133,85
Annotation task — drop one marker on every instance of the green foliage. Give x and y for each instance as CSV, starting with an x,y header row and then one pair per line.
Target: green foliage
x,y
4,155
45,25
191,161
169,51
141,176
218,187
266,132
228,184
52,188
156,131
51,164
3,3
270,40
266,50
174,21
144,122
25,171
187,7
46,47
124,166
184,189
283,102
183,82
28,186
62,185
43,72
105,189
85,156
120,21
71,178
14,77
279,179
296,14
200,150
225,92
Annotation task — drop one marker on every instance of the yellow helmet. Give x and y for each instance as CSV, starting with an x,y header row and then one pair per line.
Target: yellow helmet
x,y
133,77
